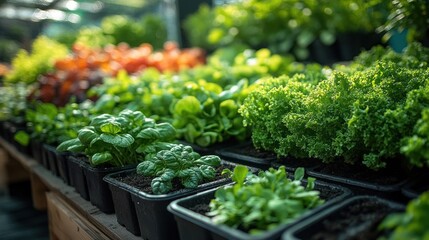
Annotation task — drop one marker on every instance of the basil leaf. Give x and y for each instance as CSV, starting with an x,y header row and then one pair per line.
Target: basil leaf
x,y
87,135
191,180
66,145
110,127
207,172
146,168
120,140
160,187
210,160
149,134
100,158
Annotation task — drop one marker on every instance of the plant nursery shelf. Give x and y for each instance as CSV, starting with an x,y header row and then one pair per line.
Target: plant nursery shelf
x,y
70,215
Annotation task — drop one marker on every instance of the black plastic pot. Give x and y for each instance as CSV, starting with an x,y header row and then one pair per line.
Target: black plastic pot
x,y
124,207
9,130
355,218
362,180
153,219
2,129
246,154
63,165
193,225
99,193
415,188
77,177
36,149
51,158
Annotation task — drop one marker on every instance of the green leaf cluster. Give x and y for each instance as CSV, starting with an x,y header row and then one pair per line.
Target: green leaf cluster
x,y
180,162
115,29
408,15
282,26
412,224
362,114
120,140
256,203
26,67
13,101
203,102
50,124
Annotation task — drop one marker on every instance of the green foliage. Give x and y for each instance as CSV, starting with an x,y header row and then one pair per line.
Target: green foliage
x,y
13,101
264,108
412,224
411,15
119,28
416,147
203,102
415,56
263,202
358,114
120,140
26,67
52,125
22,138
180,162
282,26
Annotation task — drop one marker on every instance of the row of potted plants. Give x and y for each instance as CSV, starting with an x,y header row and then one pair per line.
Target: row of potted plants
x,y
291,100
236,211
216,115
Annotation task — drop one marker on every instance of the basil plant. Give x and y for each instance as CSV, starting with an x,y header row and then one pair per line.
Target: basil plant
x,y
120,140
179,162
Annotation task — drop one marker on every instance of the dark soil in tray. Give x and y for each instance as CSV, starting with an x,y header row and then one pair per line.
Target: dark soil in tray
x,y
418,187
359,172
297,162
143,183
356,221
201,208
250,150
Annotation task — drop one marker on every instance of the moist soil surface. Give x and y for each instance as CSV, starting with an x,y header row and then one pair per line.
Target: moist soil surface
x,y
387,176
356,221
143,183
250,150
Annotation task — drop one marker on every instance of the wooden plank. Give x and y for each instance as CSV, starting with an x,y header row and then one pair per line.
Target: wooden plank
x,y
44,181
66,223
38,190
25,160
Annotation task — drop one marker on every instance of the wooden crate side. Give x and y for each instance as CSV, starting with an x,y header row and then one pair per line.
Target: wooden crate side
x,y
66,223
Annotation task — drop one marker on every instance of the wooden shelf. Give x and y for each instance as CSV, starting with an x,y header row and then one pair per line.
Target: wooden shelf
x,y
64,200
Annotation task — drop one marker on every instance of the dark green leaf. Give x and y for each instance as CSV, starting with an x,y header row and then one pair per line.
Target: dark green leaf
x,y
160,187
210,160
87,135
146,168
207,172
65,146
100,158
191,181
149,134
120,140
168,175
166,131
